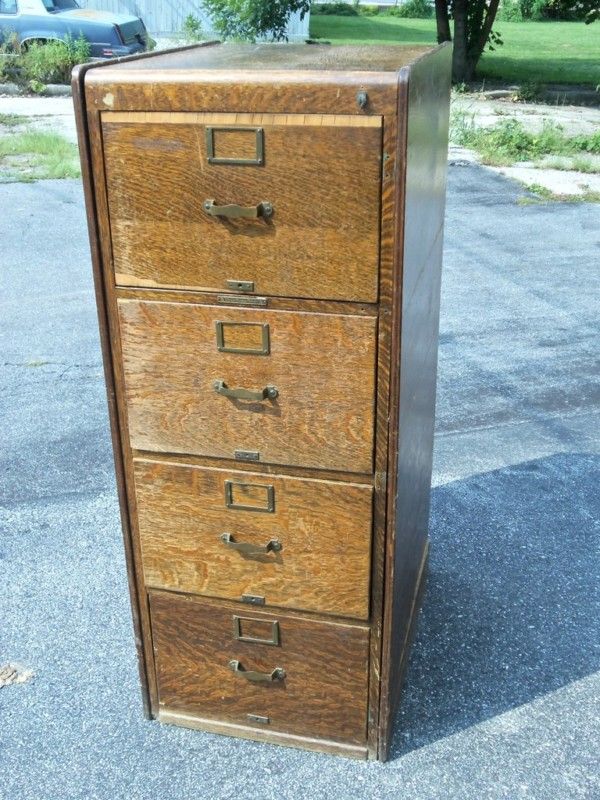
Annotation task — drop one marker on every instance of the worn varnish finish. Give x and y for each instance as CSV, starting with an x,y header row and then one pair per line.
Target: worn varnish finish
x,y
345,278
323,367
323,692
321,176
323,529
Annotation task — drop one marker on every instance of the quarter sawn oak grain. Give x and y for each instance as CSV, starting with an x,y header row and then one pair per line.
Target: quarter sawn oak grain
x,y
329,455
323,527
322,180
326,669
323,367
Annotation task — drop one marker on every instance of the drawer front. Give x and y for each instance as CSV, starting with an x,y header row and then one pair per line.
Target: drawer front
x,y
205,657
298,543
319,173
183,361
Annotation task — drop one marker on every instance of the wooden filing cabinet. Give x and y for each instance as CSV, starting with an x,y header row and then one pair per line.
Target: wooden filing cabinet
x,y
266,231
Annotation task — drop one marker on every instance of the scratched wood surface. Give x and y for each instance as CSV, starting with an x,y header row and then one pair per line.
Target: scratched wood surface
x,y
323,693
323,182
322,365
323,529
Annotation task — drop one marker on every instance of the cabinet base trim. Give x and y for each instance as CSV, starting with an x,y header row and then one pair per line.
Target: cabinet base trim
x,y
272,737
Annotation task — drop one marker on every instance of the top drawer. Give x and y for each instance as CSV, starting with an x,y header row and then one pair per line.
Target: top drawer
x,y
169,174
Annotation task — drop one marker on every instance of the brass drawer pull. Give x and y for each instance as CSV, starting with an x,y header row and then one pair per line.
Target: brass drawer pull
x,y
269,392
278,674
233,211
248,549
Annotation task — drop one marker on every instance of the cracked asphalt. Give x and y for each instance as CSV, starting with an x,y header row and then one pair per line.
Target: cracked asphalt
x,y
502,698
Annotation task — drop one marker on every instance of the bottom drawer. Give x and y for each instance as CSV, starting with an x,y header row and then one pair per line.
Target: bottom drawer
x,y
288,674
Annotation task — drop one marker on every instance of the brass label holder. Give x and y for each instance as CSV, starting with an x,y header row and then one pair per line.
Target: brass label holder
x,y
262,350
257,161
273,640
269,506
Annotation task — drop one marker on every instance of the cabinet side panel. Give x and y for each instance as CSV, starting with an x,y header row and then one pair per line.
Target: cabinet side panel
x,y
414,366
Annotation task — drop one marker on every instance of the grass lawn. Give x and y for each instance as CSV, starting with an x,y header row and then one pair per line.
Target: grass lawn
x,y
542,52
29,155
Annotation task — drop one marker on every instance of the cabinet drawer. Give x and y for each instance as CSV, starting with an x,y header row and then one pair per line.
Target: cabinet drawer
x,y
182,361
320,174
197,527
206,653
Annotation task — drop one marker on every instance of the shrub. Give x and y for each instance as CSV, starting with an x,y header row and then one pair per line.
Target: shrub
x,y
337,9
415,9
368,11
508,142
52,62
511,11
192,29
9,56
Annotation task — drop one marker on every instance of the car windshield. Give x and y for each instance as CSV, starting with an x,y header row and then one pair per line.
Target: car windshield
x,y
59,5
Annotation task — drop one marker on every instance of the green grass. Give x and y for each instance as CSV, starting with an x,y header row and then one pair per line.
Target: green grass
x,y
11,120
542,52
507,142
36,155
541,194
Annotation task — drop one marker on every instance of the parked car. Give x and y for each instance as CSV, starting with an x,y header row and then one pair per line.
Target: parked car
x,y
109,34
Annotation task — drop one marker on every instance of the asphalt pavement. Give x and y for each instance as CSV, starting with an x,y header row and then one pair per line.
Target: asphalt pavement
x,y
502,699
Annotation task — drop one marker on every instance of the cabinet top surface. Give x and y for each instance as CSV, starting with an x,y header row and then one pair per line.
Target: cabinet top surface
x,y
263,57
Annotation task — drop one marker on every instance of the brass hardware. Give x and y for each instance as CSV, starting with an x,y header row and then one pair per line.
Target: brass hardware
x,y
264,209
253,599
258,718
265,339
237,631
273,545
241,286
278,674
270,496
241,300
362,98
260,148
246,455
268,393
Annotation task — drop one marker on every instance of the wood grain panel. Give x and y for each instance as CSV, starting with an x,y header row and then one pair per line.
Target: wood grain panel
x,y
323,366
324,529
324,693
323,182
414,362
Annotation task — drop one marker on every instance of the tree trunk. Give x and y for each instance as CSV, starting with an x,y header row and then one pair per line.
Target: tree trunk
x,y
443,21
463,68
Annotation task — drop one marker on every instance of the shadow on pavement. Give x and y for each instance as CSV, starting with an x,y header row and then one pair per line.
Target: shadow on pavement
x,y
512,605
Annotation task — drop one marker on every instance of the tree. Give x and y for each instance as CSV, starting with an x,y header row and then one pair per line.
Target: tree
x,y
473,21
254,19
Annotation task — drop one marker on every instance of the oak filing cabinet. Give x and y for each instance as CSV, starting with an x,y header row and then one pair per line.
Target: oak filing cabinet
x,y
266,232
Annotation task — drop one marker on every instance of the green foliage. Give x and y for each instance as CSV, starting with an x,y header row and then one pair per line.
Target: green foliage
x,y
510,11
368,11
412,9
192,29
9,55
53,61
507,142
336,9
249,20
529,92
